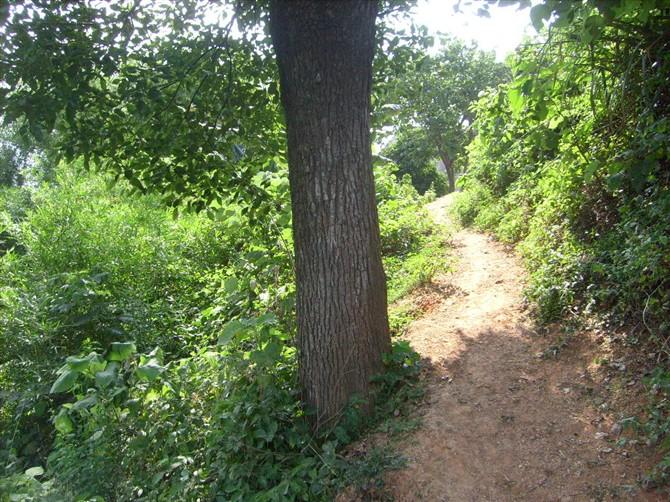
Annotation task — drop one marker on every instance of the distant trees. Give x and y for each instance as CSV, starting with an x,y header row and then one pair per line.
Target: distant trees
x,y
24,160
435,96
13,157
414,155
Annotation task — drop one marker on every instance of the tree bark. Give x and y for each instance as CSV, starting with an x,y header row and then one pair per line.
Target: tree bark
x,y
324,51
449,166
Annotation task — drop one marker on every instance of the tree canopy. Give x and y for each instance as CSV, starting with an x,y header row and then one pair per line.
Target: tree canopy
x,y
435,96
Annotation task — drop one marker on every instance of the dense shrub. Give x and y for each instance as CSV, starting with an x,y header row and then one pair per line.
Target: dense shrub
x,y
150,357
413,247
584,204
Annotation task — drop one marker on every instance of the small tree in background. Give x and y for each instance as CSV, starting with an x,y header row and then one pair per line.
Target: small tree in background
x,y
436,95
414,155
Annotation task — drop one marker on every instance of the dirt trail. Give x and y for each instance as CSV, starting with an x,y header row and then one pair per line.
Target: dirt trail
x,y
500,423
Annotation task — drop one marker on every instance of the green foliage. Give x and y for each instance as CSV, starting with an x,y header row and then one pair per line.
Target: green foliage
x,y
417,269
470,203
118,93
93,267
176,326
181,376
657,425
27,487
97,276
21,162
415,156
403,221
12,159
413,247
398,385
400,317
179,99
225,421
570,161
221,423
435,93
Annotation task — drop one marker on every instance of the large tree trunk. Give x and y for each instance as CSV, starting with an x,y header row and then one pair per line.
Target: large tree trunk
x,y
324,51
449,166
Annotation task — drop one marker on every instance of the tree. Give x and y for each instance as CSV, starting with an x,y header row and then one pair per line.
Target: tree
x,y
193,114
437,93
324,52
414,154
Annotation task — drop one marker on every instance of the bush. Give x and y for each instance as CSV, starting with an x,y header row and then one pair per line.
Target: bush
x,y
413,247
469,203
99,265
221,423
414,157
181,381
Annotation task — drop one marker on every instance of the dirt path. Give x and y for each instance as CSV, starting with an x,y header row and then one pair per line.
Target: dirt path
x,y
501,423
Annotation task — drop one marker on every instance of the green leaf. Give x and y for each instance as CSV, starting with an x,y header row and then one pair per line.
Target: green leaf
x,y
120,351
268,356
33,472
590,170
78,363
230,330
268,432
106,377
516,100
555,121
538,14
150,371
593,26
156,354
615,167
92,362
63,422
64,382
86,403
541,110
230,285
615,181
97,364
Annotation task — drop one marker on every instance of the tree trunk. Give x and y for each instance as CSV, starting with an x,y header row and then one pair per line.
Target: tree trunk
x,y
449,166
324,52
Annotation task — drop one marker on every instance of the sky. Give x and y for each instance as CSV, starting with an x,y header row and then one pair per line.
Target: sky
x,y
501,33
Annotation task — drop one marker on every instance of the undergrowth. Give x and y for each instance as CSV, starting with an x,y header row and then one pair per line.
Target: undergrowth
x,y
145,356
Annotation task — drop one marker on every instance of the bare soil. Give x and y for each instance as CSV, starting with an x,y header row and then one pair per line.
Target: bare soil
x,y
512,412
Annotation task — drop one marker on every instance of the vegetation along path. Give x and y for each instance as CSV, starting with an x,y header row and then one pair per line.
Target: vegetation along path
x,y
500,422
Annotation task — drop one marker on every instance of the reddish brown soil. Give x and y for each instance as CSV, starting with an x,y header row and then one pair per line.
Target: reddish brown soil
x,y
501,423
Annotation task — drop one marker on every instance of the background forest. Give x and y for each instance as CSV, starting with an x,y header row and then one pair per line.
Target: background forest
x,y
147,329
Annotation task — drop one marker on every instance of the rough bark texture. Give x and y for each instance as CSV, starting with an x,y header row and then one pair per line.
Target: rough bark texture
x,y
449,166
324,51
